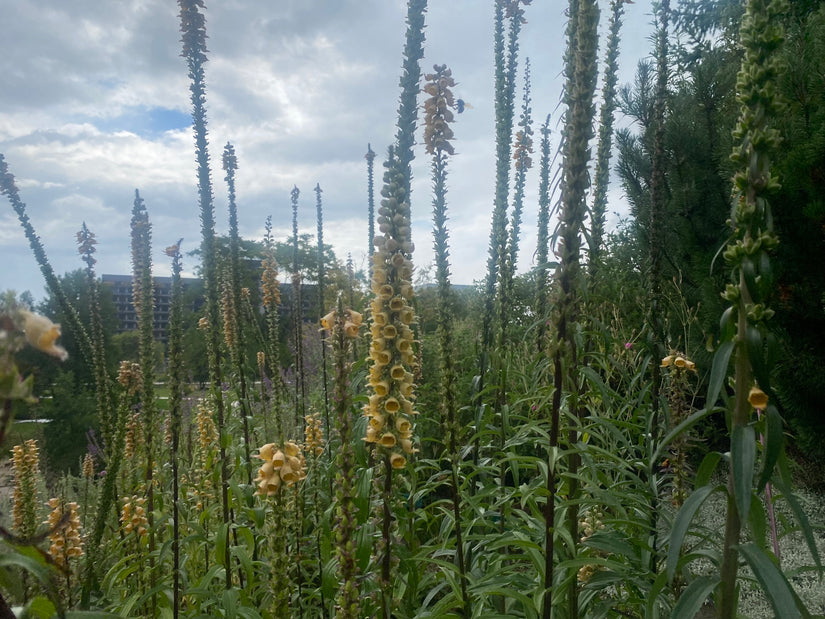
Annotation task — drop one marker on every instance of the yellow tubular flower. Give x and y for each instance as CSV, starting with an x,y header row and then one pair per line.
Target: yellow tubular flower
x,y
758,398
382,388
328,320
351,329
398,461
668,361
266,451
387,440
390,332
42,334
404,426
355,318
382,357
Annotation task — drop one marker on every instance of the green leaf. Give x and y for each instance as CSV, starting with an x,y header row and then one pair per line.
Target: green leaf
x,y
682,523
743,457
706,468
679,429
759,523
727,328
773,443
783,599
802,518
220,545
719,371
756,355
40,608
694,596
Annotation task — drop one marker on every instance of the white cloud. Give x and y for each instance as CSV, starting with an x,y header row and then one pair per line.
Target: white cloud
x,y
299,88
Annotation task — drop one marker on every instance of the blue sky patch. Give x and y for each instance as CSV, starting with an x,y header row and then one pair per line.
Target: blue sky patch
x,y
146,121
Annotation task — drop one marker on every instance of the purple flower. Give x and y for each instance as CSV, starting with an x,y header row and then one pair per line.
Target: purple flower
x,y
628,345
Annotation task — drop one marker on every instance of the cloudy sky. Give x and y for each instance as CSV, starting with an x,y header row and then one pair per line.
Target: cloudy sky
x,y
94,104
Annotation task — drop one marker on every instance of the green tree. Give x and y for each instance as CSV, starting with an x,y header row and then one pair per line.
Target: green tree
x,y
71,410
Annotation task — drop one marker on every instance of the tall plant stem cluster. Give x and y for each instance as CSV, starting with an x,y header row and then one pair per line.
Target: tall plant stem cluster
x,y
193,29
506,66
543,233
605,147
175,412
86,242
236,343
747,255
370,157
391,354
143,300
297,316
130,381
580,88
343,325
658,204
319,207
271,300
437,136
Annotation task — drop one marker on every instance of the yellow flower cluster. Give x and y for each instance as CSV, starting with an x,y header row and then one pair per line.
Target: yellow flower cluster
x,y
590,523
269,283
133,516
130,376
88,467
229,313
134,436
586,572
313,434
678,361
390,406
207,430
66,541
26,463
352,322
42,333
260,358
285,465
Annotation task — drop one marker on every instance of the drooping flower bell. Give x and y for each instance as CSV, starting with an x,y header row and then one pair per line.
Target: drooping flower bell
x,y
279,466
42,333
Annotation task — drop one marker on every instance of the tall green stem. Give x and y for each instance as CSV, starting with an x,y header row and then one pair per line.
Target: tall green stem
x,y
761,35
602,174
175,410
581,84
321,301
143,300
236,346
193,29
